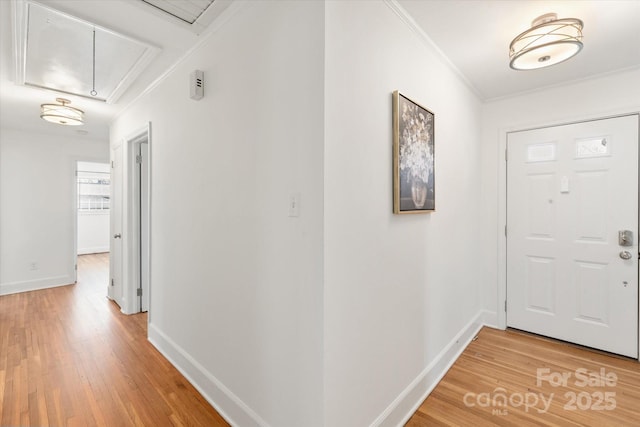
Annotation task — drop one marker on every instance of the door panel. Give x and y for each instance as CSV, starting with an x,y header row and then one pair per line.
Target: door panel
x,y
115,254
590,217
139,214
145,224
541,214
541,284
569,190
591,280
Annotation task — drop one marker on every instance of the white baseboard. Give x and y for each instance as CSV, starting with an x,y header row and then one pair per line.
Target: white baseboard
x,y
410,399
34,285
228,405
94,250
490,319
237,413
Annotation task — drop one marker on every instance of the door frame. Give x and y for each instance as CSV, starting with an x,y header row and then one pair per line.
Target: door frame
x,y
138,227
130,247
501,314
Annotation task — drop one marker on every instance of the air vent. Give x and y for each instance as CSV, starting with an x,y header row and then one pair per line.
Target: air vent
x,y
186,10
197,85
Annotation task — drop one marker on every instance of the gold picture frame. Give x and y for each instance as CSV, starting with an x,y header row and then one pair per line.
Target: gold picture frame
x,y
413,157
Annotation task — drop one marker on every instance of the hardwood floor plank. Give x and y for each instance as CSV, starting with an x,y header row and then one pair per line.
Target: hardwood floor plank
x,y
507,363
68,357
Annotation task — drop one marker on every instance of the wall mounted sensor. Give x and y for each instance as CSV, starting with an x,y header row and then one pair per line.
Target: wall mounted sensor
x,y
197,85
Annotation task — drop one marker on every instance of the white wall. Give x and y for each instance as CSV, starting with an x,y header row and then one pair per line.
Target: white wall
x,y
37,185
236,284
93,232
400,290
594,98
344,316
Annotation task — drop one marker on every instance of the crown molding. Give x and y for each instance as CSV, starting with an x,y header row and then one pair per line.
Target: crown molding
x,y
424,37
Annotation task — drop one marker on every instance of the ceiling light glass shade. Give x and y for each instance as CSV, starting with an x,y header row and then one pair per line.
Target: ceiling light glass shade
x,y
549,41
61,113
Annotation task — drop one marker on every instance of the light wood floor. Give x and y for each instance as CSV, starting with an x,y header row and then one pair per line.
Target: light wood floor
x,y
506,363
68,357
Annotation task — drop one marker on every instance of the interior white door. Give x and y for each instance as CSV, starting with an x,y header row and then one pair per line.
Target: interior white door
x,y
140,220
115,253
570,190
144,226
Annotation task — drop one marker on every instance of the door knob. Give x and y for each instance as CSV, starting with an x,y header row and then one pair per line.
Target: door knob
x,y
117,236
625,255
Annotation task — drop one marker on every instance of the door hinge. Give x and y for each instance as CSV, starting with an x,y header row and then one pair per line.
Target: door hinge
x,y
111,164
505,230
76,267
139,292
506,155
505,306
111,282
138,158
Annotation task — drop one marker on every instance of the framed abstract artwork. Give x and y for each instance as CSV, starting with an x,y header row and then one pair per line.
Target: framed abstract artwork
x,y
413,157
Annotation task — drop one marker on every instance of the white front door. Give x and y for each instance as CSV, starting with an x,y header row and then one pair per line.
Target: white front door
x,y
570,190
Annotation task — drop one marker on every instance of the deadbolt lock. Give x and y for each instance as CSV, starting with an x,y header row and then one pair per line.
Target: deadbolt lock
x,y
625,238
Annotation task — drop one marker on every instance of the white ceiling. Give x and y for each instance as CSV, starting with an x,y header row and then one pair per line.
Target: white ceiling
x,y
62,53
20,105
473,34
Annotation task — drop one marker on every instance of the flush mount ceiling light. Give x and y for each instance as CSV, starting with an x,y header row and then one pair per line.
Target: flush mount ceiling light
x,y
61,113
549,41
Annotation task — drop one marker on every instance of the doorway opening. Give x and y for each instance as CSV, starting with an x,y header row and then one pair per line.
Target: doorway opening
x,y
93,213
130,279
